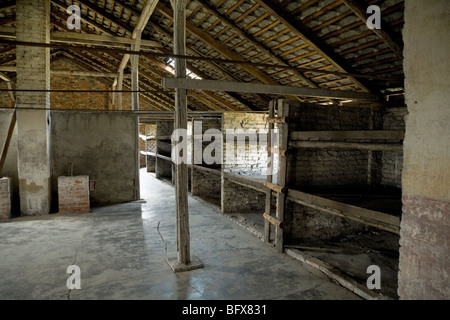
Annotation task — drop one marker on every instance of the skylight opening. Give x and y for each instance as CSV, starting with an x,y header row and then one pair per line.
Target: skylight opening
x,y
189,73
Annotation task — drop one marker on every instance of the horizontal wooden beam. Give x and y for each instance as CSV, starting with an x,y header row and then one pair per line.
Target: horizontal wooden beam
x,y
72,73
206,169
275,187
369,217
86,38
347,145
246,87
101,40
341,135
278,151
273,220
277,120
246,182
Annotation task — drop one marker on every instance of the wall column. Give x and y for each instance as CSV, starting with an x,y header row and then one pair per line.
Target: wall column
x,y
33,72
425,226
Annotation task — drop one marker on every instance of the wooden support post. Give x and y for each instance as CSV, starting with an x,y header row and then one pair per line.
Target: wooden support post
x,y
119,88
184,262
283,129
183,240
113,99
270,163
7,141
135,75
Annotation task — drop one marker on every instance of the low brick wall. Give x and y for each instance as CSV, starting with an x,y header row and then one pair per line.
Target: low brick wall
x,y
73,193
5,198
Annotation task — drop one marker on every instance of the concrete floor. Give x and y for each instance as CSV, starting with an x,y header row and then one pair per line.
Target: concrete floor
x,y
121,255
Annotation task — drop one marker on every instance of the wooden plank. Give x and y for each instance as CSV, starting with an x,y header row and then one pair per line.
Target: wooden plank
x,y
369,217
342,135
273,220
274,187
249,87
7,141
347,145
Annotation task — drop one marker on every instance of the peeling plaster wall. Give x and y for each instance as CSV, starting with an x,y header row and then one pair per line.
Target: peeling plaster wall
x,y
102,146
425,226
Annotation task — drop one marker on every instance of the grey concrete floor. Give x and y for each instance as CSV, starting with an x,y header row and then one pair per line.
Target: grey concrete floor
x,y
121,255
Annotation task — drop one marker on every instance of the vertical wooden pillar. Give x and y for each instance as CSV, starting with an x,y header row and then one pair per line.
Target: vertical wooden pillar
x,y
283,129
135,74
181,173
270,164
119,88
183,261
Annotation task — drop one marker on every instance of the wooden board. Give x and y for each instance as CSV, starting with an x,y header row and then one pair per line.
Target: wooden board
x,y
347,145
342,135
369,217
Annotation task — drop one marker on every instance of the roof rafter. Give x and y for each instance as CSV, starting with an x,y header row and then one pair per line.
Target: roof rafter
x,y
384,33
313,41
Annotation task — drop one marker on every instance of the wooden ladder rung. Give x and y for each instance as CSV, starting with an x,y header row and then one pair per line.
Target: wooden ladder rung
x,y
278,151
275,187
273,220
277,120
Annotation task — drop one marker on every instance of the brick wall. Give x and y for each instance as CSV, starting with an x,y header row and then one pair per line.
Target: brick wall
x,y
307,224
206,185
250,159
164,147
392,162
142,146
73,194
313,167
323,167
239,199
5,98
150,146
5,198
82,100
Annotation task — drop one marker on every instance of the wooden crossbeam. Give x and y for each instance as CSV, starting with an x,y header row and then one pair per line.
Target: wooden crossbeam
x,y
341,135
247,87
274,187
273,220
278,151
369,217
347,145
277,120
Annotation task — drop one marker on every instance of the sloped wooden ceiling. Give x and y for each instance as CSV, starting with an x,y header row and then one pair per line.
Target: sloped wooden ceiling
x,y
316,36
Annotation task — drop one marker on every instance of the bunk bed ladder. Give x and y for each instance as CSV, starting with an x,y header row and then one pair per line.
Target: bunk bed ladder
x,y
280,108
